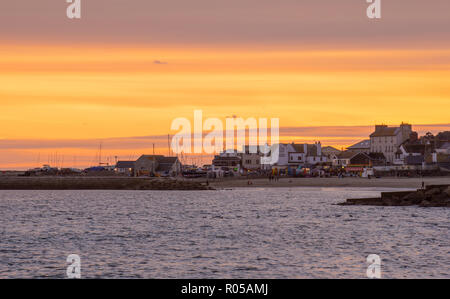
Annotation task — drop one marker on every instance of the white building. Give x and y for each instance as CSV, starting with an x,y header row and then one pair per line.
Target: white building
x,y
343,159
300,155
387,140
410,154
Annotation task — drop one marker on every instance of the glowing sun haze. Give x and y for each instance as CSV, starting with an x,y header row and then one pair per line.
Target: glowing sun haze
x,y
124,71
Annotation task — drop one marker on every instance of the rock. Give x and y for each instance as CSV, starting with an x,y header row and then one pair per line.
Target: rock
x,y
444,203
425,204
415,198
439,197
432,192
365,201
390,202
447,191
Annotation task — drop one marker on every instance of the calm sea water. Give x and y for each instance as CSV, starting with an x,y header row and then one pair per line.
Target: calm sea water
x,y
244,233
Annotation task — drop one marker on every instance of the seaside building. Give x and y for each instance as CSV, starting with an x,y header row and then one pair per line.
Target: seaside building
x,y
349,158
360,147
444,149
367,160
411,154
387,140
442,142
148,165
229,159
330,152
125,167
439,160
440,157
251,160
343,159
300,155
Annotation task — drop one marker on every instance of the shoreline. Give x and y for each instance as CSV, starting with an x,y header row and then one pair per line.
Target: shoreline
x,y
97,183
431,196
129,183
401,183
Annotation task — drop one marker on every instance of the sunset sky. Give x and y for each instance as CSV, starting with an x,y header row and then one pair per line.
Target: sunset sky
x,y
121,74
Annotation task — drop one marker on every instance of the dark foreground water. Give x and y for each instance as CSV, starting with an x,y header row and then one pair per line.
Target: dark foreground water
x,y
246,233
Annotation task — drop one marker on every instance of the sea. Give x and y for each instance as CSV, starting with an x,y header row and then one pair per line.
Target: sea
x,y
242,233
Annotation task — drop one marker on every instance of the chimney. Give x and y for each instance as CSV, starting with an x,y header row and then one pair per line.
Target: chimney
x,y
305,148
406,126
319,149
379,127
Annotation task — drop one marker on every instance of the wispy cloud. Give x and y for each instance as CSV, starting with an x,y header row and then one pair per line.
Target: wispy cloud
x,y
28,153
333,135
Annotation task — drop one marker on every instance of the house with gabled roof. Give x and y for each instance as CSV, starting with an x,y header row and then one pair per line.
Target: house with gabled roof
x,y
387,140
330,152
295,155
411,154
359,160
360,147
125,167
444,149
148,165
343,159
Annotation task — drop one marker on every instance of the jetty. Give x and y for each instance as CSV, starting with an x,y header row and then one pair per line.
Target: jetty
x,y
431,196
98,183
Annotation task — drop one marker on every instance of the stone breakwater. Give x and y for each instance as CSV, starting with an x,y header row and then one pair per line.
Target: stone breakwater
x,y
97,183
431,196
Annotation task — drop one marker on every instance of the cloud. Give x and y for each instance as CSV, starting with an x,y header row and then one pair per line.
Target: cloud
x,y
339,23
332,134
28,153
159,62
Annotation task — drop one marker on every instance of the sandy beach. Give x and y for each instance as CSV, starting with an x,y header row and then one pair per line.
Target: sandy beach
x,y
413,183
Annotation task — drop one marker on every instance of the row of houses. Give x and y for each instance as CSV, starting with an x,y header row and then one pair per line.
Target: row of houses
x,y
388,148
399,148
290,156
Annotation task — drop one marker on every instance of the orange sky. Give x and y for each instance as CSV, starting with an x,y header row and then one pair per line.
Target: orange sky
x,y
119,75
93,92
